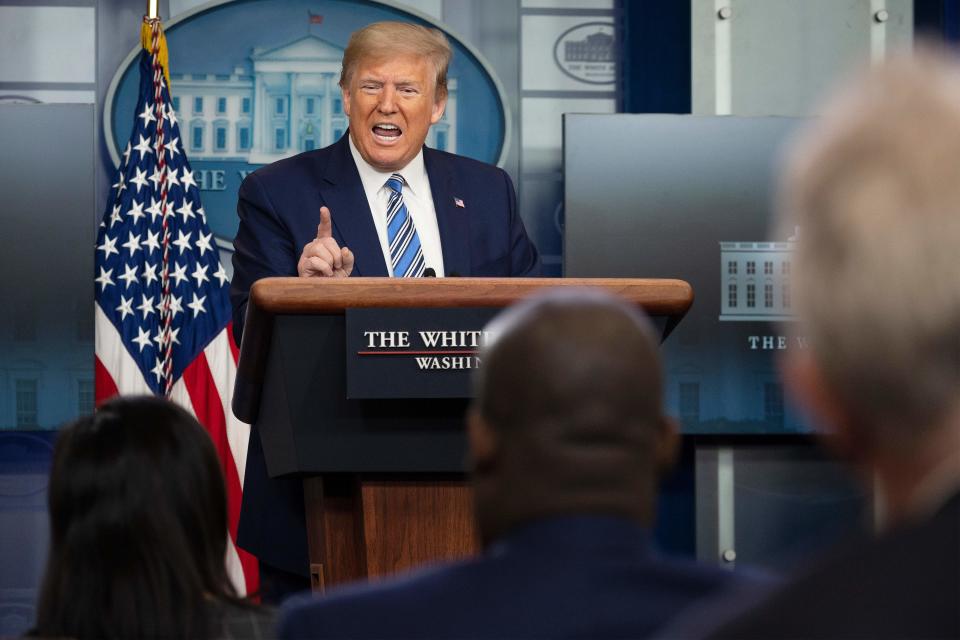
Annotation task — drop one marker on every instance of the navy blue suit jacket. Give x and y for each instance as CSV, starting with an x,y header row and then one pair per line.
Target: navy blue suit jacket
x,y
279,209
572,577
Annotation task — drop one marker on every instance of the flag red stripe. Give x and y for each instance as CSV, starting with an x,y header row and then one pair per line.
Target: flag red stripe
x,y
207,405
104,386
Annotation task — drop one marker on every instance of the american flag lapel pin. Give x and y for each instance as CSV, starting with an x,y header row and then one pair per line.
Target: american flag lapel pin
x,y
459,203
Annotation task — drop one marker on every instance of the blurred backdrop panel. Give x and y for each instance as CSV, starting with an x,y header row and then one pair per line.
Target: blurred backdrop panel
x,y
46,324
696,205
49,224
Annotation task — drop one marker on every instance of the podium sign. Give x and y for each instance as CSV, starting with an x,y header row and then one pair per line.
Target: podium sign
x,y
413,352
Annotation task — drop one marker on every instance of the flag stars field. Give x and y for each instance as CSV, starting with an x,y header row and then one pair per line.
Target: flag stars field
x,y
150,273
115,216
172,179
156,178
152,241
186,210
200,274
143,338
158,370
136,211
143,148
176,305
183,241
186,180
197,305
132,243
108,246
154,210
179,273
203,243
104,279
125,307
146,305
140,179
221,275
147,115
129,275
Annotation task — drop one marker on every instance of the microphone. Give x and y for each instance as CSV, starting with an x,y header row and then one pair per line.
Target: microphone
x,y
429,272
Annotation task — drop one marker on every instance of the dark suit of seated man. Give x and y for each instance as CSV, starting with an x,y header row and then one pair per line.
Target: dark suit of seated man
x,y
375,203
567,436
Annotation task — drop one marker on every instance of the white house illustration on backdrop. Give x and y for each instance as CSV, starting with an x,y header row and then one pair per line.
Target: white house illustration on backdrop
x,y
290,104
755,280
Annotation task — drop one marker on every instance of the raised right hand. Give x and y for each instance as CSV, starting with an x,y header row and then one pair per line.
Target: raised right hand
x,y
323,257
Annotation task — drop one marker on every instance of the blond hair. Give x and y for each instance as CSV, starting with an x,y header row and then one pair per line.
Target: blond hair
x,y
383,40
874,188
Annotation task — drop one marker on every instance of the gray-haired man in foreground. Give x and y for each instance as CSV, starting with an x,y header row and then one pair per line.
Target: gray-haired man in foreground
x,y
875,190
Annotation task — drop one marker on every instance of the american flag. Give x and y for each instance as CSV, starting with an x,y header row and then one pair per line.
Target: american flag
x,y
162,306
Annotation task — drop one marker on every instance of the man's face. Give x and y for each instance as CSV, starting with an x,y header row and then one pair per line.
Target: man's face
x,y
391,105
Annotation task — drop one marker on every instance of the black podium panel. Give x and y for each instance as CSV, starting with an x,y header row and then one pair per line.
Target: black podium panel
x,y
305,371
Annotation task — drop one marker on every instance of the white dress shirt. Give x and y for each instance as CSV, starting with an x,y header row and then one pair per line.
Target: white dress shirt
x,y
418,198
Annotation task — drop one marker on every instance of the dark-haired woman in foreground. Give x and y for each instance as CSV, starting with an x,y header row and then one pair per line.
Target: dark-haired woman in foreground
x,y
138,518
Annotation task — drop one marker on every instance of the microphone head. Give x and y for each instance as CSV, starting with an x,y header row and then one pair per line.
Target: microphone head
x,y
429,272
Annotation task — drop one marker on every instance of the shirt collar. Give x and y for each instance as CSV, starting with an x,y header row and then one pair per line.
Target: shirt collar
x,y
415,173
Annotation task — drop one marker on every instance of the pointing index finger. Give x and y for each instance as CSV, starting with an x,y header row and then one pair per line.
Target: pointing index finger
x,y
325,228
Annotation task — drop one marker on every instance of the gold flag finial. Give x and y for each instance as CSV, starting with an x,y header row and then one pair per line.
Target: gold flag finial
x,y
146,40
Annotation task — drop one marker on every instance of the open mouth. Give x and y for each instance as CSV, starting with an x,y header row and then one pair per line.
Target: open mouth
x,y
386,132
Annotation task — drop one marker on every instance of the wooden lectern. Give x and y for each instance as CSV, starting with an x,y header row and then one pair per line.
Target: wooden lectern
x,y
384,488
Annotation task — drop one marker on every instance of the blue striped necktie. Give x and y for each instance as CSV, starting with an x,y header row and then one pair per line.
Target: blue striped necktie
x,y
406,254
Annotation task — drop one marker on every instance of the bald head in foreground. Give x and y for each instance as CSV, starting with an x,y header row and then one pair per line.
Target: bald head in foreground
x,y
875,190
568,411
567,439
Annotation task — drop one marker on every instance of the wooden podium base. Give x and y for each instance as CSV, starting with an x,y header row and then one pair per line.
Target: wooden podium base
x,y
366,527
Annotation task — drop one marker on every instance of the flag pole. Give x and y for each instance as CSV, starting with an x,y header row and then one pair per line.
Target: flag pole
x,y
153,41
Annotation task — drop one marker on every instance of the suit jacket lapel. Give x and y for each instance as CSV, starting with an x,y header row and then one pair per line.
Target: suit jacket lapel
x,y
342,192
451,218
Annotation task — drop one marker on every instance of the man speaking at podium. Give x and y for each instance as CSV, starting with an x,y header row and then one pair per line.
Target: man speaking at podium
x,y
375,203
